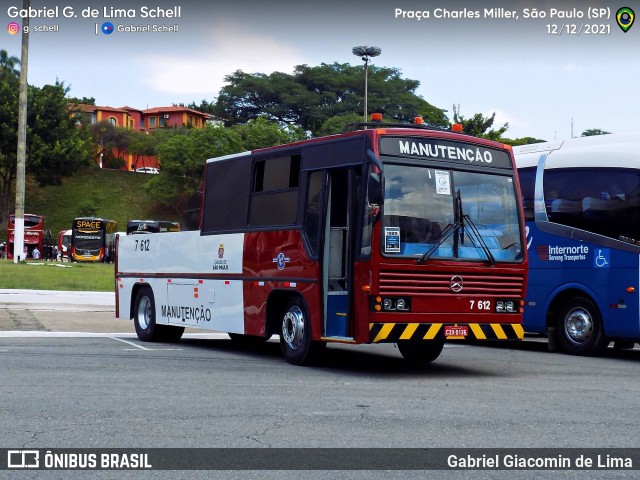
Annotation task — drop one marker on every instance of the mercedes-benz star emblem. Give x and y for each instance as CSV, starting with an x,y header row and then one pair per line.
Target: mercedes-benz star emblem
x,y
456,283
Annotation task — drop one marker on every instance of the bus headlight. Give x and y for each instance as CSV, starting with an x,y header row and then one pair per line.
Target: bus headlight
x,y
507,306
390,304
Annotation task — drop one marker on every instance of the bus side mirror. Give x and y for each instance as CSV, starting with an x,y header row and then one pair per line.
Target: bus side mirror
x,y
374,189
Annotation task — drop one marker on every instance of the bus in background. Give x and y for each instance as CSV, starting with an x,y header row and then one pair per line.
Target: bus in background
x,y
582,205
93,239
151,226
64,244
33,234
392,233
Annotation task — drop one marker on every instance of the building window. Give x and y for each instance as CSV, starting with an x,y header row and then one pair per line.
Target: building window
x,y
112,121
152,122
163,121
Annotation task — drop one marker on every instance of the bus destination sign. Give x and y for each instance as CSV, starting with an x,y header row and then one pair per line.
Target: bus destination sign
x,y
87,224
436,149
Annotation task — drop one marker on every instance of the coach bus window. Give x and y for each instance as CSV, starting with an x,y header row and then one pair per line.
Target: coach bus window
x,y
527,187
274,199
603,201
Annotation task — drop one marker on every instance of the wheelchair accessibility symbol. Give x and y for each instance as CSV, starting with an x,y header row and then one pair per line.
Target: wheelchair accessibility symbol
x,y
601,258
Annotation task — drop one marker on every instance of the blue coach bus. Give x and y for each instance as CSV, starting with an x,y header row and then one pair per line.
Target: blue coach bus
x,y
582,207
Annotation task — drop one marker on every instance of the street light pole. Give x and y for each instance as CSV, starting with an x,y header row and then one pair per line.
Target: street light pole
x,y
366,52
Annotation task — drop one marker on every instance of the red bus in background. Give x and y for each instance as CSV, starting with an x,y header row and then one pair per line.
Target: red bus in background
x,y
64,243
398,234
33,234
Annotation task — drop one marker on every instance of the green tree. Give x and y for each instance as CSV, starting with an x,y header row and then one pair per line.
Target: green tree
x,y
82,101
338,123
182,155
312,95
56,146
143,145
479,125
594,131
260,133
521,141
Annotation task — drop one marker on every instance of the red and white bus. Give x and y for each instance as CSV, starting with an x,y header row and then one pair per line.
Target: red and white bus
x,y
64,244
392,234
33,234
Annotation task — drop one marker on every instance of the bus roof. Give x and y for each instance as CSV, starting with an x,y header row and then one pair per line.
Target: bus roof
x,y
611,150
373,132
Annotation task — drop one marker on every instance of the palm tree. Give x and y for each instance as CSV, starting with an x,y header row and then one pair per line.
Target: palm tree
x,y
8,63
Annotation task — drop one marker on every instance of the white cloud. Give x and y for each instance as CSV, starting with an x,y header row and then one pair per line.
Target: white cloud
x,y
202,70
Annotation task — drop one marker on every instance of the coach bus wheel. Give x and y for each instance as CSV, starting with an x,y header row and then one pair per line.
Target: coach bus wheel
x,y
295,335
144,316
421,352
579,328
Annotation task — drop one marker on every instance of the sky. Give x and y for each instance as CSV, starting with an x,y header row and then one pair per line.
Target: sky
x,y
566,68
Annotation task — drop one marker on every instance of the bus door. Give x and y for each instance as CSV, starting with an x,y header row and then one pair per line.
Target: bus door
x,y
337,251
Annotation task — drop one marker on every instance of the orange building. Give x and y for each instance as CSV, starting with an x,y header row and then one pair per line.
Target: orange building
x,y
140,120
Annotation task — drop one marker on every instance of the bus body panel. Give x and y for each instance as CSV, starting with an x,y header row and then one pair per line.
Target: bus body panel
x,y
559,265
187,273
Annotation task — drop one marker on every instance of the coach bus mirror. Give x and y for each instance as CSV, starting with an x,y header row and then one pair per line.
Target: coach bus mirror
x,y
374,189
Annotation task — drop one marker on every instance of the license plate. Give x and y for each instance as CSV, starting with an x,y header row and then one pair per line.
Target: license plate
x,y
456,331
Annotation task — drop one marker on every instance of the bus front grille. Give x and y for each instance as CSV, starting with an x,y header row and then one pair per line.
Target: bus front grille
x,y
398,282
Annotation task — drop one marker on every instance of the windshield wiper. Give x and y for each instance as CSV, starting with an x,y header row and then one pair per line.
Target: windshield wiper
x,y
446,233
458,226
452,228
483,245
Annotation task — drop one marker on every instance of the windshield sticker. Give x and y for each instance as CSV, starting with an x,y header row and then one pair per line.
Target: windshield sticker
x,y
392,239
443,182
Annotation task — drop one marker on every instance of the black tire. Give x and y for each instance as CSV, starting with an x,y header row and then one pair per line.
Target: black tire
x,y
421,352
144,319
295,335
579,328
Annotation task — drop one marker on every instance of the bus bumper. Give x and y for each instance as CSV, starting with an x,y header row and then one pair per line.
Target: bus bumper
x,y
394,332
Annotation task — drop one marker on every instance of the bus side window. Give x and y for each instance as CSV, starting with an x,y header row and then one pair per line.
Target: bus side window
x,y
527,187
274,198
314,211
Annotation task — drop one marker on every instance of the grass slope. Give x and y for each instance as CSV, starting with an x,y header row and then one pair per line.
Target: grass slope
x,y
115,194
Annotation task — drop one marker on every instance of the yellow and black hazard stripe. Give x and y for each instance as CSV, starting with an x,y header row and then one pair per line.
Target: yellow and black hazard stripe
x,y
394,332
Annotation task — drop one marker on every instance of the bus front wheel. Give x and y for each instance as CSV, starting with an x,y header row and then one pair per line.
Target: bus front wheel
x,y
144,319
295,335
421,352
579,328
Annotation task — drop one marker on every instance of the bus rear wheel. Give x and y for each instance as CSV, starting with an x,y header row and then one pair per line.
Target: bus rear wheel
x,y
295,335
421,352
144,319
579,328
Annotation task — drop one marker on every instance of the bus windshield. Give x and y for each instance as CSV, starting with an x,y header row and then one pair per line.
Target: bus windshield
x,y
420,213
88,241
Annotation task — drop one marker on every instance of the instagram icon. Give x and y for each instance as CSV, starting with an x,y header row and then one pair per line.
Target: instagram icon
x,y
13,28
